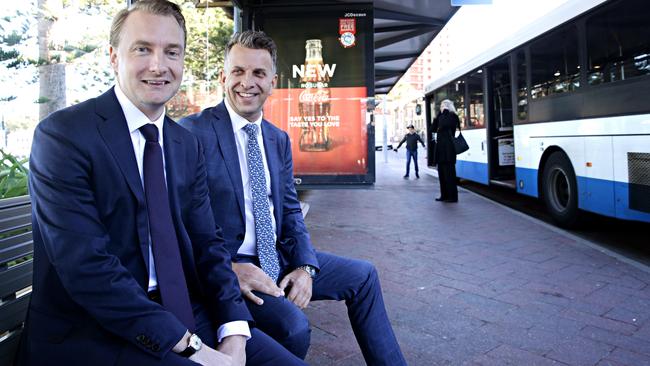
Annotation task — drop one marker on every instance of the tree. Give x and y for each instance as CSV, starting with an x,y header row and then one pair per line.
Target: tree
x,y
51,69
208,32
13,30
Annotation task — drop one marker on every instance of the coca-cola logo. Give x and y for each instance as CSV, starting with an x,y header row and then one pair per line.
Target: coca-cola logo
x,y
318,96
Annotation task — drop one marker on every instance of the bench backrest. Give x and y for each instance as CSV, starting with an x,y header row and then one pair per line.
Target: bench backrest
x,y
16,260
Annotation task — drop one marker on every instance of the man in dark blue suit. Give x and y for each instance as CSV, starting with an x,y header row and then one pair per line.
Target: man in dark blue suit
x,y
129,266
250,178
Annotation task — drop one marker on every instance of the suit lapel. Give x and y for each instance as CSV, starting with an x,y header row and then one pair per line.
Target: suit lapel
x,y
115,133
226,139
273,160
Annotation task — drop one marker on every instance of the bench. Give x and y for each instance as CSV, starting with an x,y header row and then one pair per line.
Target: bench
x,y
16,262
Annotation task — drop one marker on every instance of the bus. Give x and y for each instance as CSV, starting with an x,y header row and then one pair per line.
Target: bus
x,y
561,111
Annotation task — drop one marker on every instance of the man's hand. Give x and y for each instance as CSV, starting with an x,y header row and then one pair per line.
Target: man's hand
x,y
207,356
251,278
301,283
235,347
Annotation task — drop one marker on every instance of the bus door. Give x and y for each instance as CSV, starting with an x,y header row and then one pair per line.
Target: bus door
x,y
500,139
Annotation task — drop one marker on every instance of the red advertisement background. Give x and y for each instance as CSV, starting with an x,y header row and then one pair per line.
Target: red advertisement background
x,y
349,146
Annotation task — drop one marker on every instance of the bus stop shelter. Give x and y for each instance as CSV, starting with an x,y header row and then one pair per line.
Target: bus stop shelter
x,y
402,29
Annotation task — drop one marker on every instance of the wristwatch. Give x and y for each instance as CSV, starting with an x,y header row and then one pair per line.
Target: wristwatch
x,y
309,269
193,346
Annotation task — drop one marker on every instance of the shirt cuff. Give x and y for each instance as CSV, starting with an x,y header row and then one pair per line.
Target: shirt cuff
x,y
238,327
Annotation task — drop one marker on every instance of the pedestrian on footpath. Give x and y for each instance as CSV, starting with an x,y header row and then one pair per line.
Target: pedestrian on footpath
x,y
411,139
445,125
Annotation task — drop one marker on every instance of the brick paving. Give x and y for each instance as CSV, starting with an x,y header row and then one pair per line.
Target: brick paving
x,y
474,283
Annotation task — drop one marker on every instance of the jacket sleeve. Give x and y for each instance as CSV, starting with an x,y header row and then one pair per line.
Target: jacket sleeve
x,y
212,259
295,242
401,142
68,225
420,139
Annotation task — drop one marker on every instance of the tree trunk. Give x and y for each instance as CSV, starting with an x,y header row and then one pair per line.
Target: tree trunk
x,y
51,72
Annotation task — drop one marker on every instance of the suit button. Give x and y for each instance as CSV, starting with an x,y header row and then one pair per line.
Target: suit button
x,y
140,338
240,237
155,347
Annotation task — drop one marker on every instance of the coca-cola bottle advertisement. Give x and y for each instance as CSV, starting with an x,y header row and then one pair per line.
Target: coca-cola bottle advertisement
x,y
321,95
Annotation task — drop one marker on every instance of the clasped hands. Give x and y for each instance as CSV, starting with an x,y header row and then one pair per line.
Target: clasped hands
x,y
252,278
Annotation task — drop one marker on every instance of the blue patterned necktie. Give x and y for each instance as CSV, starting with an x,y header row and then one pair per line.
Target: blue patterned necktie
x,y
266,251
164,244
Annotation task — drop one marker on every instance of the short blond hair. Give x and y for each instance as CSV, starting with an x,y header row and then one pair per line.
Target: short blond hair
x,y
155,7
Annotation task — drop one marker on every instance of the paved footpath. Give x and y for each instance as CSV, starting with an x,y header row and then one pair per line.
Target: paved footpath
x,y
474,283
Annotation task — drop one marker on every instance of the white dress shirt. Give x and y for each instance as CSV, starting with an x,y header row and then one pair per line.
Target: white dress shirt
x,y
134,120
249,246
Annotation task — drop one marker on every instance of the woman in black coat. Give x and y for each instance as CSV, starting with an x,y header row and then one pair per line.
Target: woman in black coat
x,y
445,125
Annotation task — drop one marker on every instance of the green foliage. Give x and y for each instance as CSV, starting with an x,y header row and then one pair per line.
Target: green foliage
x,y
218,27
13,176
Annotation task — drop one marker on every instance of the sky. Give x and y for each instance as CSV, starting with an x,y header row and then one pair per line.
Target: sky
x,y
475,28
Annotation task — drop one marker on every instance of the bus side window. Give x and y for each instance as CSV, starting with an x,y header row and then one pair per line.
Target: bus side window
x,y
555,66
618,48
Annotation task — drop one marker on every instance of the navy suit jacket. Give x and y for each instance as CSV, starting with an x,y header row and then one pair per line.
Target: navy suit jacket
x,y
91,240
213,128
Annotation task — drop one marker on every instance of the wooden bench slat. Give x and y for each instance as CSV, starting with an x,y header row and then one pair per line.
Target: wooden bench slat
x,y
13,313
15,247
16,278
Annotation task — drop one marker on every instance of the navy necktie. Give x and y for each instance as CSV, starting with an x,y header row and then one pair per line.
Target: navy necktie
x,y
266,251
169,268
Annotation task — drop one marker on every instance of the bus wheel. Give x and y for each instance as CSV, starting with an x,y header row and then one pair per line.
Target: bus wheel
x,y
560,190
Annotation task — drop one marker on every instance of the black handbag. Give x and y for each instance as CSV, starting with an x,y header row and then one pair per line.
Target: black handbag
x,y
460,145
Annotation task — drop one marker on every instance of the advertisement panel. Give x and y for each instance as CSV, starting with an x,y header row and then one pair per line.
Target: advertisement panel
x,y
324,81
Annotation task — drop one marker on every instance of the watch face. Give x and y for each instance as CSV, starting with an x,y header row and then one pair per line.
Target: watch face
x,y
195,342
310,270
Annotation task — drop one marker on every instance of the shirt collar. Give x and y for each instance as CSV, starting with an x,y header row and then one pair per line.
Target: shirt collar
x,y
134,117
238,122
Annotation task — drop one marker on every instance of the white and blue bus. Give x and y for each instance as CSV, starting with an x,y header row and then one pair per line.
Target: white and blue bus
x,y
561,111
